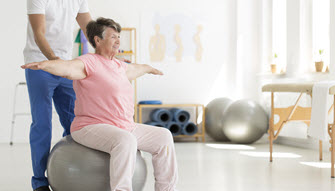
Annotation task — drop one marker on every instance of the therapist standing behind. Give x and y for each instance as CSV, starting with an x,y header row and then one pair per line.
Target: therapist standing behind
x,y
50,37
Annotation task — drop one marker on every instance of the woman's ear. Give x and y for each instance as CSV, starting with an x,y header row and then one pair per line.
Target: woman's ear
x,y
97,40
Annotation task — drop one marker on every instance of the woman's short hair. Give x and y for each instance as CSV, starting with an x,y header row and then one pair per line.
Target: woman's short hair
x,y
98,27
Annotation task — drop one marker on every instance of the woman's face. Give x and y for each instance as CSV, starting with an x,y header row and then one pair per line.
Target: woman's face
x,y
110,42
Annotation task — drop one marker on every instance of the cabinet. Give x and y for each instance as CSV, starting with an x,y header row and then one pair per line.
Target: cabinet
x,y
128,51
198,111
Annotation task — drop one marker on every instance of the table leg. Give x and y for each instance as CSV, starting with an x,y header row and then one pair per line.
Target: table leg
x,y
320,150
271,125
332,143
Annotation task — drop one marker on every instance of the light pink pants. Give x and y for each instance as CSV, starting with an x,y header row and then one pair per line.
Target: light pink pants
x,y
122,146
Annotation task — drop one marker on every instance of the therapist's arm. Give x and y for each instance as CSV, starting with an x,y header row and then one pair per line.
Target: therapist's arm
x,y
37,22
83,19
70,69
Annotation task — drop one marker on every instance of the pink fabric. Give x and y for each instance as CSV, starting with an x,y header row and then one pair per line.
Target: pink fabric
x,y
122,146
105,96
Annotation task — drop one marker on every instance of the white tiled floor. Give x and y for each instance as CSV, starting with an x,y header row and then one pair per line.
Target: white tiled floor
x,y
207,167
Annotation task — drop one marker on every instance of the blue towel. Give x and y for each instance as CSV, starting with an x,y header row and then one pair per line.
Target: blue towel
x,y
151,102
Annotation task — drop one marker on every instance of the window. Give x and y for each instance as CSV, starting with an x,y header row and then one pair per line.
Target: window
x,y
279,34
321,38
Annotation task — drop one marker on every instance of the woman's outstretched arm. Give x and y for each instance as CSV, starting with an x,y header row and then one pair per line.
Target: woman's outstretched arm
x,y
70,69
136,70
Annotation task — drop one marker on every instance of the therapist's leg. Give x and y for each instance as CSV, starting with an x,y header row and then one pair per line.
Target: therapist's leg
x,y
64,98
40,88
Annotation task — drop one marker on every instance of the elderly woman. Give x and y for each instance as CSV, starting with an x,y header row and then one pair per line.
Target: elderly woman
x,y
104,109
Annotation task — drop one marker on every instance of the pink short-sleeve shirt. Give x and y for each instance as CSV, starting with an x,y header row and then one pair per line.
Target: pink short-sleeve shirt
x,y
105,96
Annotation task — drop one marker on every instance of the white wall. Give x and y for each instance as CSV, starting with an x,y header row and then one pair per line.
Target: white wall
x,y
13,31
231,26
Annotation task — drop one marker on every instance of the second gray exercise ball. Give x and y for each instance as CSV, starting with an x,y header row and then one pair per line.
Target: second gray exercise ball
x,y
214,118
74,167
245,121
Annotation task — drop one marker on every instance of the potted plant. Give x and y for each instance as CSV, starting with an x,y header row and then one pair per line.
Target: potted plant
x,y
274,64
319,64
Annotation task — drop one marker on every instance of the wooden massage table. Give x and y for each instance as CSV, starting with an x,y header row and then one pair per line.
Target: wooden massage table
x,y
297,113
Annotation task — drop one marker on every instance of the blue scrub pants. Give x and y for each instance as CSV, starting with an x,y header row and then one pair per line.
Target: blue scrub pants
x,y
44,87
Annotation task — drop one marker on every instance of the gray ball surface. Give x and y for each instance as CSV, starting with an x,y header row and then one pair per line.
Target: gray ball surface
x,y
245,122
74,167
214,118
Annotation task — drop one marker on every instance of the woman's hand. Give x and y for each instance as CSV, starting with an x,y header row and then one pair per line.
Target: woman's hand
x,y
155,71
136,70
34,66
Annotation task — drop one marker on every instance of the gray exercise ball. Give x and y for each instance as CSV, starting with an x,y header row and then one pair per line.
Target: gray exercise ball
x,y
214,115
245,121
74,167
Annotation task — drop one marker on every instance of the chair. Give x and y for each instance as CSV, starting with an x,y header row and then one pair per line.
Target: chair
x,y
14,112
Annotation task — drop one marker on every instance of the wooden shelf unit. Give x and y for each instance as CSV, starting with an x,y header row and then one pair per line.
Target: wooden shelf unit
x,y
198,109
128,43
126,54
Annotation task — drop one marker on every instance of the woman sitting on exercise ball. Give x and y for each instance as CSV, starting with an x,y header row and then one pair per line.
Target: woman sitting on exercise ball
x,y
104,109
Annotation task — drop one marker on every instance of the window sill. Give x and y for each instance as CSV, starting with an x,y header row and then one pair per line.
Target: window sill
x,y
309,76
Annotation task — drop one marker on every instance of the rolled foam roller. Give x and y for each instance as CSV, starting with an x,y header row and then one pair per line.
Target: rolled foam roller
x,y
180,116
161,115
155,123
175,128
189,129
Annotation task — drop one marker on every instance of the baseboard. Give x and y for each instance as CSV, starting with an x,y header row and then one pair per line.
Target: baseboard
x,y
307,143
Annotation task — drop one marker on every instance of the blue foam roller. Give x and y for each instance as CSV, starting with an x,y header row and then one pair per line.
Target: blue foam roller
x,y
155,123
174,127
189,129
180,116
161,115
